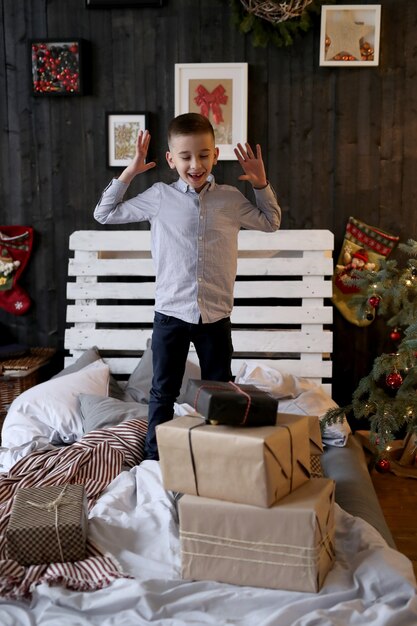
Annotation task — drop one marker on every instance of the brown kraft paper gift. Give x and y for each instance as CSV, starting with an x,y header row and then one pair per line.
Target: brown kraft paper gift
x,y
289,546
255,466
316,444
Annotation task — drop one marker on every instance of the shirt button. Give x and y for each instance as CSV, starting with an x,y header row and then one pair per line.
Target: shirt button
x,y
200,258
200,238
199,299
201,217
200,279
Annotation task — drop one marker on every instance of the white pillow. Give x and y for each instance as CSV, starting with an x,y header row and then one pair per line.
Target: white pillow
x,y
51,411
296,395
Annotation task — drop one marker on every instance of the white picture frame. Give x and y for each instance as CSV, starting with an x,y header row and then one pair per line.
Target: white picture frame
x,y
194,87
353,27
122,130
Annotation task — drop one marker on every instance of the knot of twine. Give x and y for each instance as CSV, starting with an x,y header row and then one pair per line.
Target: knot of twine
x,y
52,506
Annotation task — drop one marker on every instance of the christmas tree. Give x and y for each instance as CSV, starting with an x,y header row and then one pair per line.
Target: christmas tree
x,y
387,396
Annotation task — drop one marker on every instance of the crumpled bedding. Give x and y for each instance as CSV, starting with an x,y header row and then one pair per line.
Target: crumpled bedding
x,y
94,462
135,520
295,395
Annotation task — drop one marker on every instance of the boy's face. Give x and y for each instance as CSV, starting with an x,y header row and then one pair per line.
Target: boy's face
x,y
193,156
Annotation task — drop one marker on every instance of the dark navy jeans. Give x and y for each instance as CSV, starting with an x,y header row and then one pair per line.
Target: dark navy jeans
x,y
171,339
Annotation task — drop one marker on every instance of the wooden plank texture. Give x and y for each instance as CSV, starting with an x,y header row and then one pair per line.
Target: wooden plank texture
x,y
281,332
336,142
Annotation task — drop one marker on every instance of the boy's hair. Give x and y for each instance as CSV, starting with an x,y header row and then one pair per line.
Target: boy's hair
x,y
189,124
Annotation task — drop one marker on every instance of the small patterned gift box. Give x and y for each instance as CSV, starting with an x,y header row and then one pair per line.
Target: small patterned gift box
x,y
48,525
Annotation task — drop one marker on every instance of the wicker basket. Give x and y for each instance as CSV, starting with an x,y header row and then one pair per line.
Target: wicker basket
x,y
17,375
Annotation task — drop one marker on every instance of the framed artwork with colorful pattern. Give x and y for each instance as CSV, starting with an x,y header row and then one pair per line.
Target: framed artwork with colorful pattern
x,y
56,67
122,131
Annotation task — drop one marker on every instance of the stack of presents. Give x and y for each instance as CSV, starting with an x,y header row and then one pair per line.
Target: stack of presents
x,y
252,513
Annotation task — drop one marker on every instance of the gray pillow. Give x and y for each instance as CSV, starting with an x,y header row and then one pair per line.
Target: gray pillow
x,y
140,381
88,357
102,412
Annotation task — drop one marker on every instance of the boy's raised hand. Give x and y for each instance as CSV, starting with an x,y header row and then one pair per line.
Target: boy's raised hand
x,y
252,165
138,164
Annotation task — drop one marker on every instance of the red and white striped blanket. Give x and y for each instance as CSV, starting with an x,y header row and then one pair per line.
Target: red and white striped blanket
x,y
94,461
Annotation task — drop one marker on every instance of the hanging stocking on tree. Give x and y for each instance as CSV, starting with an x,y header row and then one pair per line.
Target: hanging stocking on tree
x,y
15,249
363,248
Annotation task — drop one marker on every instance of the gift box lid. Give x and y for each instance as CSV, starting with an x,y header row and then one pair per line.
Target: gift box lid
x,y
34,506
310,507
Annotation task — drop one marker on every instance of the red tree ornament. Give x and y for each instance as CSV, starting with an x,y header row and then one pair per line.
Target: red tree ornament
x,y
395,334
374,301
394,380
383,466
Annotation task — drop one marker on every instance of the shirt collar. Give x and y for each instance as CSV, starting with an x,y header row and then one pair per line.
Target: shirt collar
x,y
184,187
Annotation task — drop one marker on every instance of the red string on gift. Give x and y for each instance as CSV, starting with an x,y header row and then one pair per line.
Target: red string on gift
x,y
206,101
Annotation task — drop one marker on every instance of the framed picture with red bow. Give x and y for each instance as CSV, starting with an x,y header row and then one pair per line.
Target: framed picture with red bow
x,y
220,92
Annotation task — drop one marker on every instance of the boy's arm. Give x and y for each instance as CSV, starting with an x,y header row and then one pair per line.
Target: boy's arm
x,y
138,164
252,165
111,209
267,214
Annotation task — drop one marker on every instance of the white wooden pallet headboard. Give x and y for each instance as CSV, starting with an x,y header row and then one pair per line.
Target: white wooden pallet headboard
x,y
280,311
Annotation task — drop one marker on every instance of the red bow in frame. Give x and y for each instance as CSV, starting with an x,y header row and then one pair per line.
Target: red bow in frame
x,y
213,100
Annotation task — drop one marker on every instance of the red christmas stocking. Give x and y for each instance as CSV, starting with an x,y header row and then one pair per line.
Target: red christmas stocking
x,y
363,248
15,249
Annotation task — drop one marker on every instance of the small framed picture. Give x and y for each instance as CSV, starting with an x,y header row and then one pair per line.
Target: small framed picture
x,y
122,131
220,92
56,67
349,35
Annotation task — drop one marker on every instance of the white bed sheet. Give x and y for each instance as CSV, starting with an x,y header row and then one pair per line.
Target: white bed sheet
x,y
136,520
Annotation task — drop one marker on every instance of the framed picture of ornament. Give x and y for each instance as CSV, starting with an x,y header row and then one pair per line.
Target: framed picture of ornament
x,y
219,91
122,131
57,67
349,35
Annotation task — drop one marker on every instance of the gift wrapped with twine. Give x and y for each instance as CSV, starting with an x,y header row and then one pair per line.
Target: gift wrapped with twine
x,y
48,525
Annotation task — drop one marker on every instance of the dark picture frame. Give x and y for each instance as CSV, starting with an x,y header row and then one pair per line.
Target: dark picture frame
x,y
56,67
122,129
128,4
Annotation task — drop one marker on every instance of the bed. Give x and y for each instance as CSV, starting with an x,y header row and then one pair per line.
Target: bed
x,y
88,425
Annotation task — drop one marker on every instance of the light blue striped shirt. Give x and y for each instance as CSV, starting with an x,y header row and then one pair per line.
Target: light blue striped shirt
x,y
194,238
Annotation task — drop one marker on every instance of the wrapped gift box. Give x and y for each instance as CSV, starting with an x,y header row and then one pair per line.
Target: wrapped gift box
x,y
316,444
48,525
227,403
289,546
314,432
249,465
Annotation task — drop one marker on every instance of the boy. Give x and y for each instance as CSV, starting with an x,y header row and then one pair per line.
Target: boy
x,y
194,232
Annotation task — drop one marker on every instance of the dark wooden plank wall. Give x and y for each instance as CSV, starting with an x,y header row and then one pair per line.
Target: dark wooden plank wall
x,y
337,141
